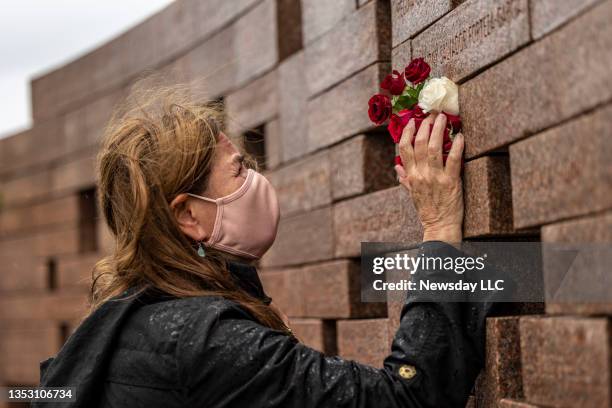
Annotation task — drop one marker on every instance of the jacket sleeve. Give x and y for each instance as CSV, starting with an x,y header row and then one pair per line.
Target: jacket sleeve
x,y
435,358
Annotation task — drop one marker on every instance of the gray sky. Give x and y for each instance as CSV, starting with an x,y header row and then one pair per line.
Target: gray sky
x,y
38,35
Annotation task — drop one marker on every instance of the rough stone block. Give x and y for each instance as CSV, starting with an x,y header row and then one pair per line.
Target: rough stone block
x,y
566,361
292,95
401,56
302,238
370,349
24,188
487,197
361,165
342,111
59,240
232,57
542,79
211,15
286,288
303,185
411,16
23,345
358,41
546,15
319,16
256,42
83,127
315,333
273,144
32,148
52,140
501,377
252,105
472,36
212,66
575,180
147,45
386,215
333,290
582,281
76,271
41,214
51,306
75,174
22,272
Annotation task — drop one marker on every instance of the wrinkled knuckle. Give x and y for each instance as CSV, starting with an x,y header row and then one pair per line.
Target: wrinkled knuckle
x,y
445,182
414,179
419,141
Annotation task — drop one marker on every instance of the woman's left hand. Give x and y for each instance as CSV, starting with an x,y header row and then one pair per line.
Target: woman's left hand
x,y
436,189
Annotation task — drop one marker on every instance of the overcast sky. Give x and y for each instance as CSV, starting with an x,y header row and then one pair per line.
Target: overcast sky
x,y
38,35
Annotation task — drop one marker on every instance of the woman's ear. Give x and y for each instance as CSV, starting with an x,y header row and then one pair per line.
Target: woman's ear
x,y
189,218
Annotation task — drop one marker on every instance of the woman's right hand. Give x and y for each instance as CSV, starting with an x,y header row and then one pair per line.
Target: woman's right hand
x,y
436,189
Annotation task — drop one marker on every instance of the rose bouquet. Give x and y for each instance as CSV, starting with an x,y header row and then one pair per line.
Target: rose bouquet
x,y
412,94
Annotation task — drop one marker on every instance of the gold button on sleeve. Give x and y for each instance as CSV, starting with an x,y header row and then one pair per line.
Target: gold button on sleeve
x,y
407,371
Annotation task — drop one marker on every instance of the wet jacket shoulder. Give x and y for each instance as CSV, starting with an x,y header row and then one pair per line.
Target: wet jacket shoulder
x,y
207,351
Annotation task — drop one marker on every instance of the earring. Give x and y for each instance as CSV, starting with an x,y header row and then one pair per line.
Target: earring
x,y
201,251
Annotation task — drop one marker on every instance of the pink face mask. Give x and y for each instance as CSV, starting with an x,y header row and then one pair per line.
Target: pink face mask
x,y
247,219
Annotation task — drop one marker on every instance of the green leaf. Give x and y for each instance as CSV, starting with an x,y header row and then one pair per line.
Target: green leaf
x,y
405,101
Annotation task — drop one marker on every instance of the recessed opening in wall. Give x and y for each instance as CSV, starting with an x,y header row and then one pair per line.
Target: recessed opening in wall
x,y
289,23
88,225
255,145
51,274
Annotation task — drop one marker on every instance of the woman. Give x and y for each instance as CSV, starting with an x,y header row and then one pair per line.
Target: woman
x,y
179,317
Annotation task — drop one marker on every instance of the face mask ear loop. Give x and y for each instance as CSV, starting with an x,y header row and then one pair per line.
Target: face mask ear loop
x,y
201,251
202,198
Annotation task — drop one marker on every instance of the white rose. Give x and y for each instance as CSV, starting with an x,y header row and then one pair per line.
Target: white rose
x,y
440,95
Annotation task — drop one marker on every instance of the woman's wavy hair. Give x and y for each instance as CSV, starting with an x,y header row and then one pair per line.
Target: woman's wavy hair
x,y
160,143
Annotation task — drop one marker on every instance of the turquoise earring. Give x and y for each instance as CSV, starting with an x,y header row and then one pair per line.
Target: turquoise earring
x,y
201,251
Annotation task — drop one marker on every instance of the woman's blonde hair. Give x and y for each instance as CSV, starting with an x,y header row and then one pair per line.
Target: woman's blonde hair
x,y
158,144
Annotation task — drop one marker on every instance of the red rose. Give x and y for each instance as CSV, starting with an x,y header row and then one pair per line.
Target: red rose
x,y
417,71
447,146
418,115
379,108
394,83
398,122
454,121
